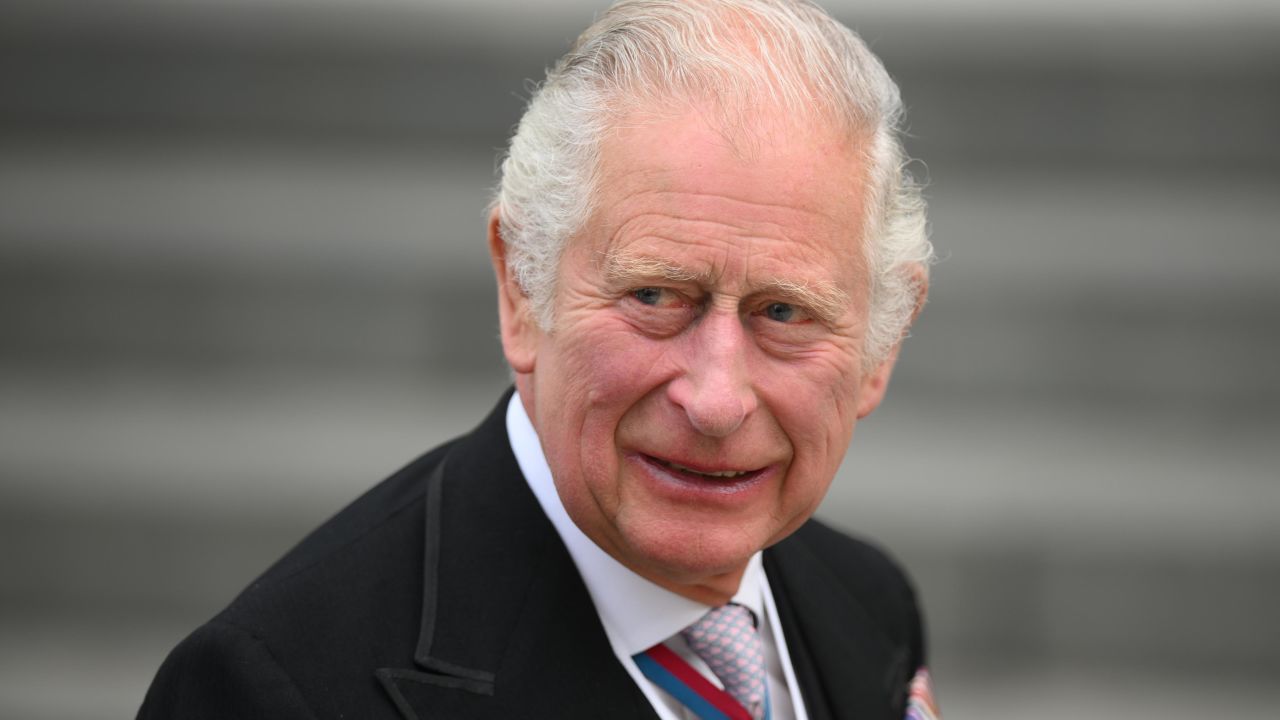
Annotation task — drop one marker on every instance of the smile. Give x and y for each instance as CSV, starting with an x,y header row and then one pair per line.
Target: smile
x,y
729,474
705,479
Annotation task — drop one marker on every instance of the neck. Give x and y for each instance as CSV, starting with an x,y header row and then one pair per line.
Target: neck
x,y
713,592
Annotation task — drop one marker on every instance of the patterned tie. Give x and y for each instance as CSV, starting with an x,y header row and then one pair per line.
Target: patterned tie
x,y
726,640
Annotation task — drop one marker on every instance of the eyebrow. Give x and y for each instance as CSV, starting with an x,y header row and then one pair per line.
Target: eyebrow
x,y
822,297
623,269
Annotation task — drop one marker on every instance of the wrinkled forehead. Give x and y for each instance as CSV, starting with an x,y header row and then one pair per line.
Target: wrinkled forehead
x,y
770,160
794,195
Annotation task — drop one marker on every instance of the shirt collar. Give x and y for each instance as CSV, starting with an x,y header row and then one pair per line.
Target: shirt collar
x,y
636,613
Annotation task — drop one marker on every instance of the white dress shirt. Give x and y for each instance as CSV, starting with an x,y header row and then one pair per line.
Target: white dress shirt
x,y
636,613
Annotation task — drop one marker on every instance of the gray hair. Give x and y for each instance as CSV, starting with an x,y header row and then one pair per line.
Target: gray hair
x,y
643,54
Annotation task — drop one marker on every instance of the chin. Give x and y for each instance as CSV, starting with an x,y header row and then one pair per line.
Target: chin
x,y
690,555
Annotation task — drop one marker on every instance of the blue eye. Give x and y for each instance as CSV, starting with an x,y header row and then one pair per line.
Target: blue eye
x,y
780,312
648,295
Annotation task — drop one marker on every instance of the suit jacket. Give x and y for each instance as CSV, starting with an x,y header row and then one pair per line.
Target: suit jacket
x,y
445,592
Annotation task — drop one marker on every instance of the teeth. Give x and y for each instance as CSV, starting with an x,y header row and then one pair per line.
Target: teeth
x,y
725,474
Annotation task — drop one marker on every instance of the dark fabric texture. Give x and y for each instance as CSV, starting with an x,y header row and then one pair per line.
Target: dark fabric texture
x,y
444,592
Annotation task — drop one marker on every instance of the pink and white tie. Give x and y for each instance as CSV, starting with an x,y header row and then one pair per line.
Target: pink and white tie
x,y
726,640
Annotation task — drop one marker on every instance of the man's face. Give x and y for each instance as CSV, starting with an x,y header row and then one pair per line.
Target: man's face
x,y
703,376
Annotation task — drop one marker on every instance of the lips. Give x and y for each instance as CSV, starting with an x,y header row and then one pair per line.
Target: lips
x,y
704,476
716,475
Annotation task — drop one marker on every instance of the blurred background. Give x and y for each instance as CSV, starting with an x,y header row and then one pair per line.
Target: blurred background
x,y
243,277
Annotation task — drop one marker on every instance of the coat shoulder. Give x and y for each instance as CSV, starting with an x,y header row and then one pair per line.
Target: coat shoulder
x,y
870,576
220,671
862,565
382,513
341,603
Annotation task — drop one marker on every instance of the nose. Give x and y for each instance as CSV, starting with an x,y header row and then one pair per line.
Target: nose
x,y
715,390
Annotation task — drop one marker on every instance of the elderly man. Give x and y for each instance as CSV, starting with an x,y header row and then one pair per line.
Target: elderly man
x,y
706,254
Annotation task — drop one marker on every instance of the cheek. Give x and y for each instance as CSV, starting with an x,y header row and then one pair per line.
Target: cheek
x,y
818,420
814,403
596,376
607,367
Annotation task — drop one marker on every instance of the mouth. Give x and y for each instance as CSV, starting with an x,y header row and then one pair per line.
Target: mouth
x,y
726,480
726,474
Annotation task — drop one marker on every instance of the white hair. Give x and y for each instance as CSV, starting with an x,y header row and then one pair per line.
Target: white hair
x,y
645,55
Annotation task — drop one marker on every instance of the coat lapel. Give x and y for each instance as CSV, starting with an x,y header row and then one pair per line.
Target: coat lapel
x,y
508,629
848,669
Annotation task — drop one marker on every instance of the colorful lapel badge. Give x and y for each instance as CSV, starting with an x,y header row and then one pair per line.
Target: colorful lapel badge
x,y
920,702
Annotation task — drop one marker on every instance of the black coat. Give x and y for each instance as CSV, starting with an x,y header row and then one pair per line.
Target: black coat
x,y
445,592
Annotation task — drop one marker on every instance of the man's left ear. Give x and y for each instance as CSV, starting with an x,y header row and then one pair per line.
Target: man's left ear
x,y
515,317
876,382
